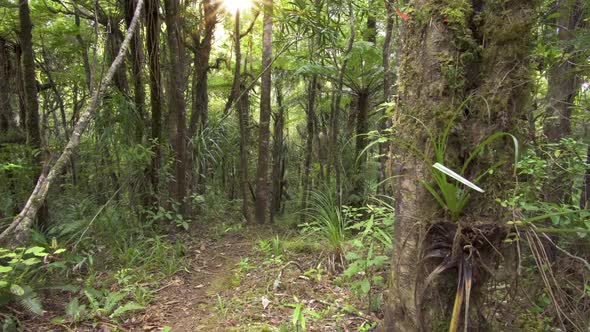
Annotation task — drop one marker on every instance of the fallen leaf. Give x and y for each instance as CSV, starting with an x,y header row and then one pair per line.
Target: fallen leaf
x,y
265,302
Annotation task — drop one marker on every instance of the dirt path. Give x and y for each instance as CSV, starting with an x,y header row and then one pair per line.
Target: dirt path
x,y
188,301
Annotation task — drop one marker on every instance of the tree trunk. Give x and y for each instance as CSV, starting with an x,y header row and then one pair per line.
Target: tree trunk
x,y
113,44
136,55
278,154
6,116
20,88
242,106
200,95
387,85
562,88
262,194
484,51
362,114
153,49
30,92
311,97
336,107
585,196
176,101
362,128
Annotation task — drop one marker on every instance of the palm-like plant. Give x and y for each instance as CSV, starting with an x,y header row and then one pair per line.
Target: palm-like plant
x,y
329,223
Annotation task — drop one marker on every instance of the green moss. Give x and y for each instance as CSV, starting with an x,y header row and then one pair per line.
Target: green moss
x,y
301,246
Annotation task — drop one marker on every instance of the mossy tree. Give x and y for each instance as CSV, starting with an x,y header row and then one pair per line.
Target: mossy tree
x,y
452,52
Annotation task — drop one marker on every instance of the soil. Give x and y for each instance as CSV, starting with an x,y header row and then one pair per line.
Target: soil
x,y
231,283
187,302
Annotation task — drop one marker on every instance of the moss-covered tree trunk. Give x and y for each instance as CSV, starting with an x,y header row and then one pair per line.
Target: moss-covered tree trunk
x,y
451,50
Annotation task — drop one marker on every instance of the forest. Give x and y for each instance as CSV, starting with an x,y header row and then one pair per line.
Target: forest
x,y
295,165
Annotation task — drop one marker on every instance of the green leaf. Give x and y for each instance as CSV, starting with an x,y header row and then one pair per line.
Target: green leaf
x,y
32,304
296,314
127,307
5,269
31,261
59,251
17,290
365,286
37,251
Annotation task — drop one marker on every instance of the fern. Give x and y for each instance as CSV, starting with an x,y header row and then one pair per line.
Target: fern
x,y
31,303
74,310
127,307
112,300
92,299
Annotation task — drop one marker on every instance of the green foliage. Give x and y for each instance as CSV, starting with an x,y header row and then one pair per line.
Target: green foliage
x,y
368,255
298,318
23,271
272,250
327,220
221,306
172,216
450,195
100,304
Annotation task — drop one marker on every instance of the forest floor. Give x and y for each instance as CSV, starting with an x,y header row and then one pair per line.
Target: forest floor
x,y
252,280
238,279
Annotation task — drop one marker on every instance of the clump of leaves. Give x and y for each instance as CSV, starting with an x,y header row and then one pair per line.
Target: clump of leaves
x,y
369,253
452,196
20,269
328,223
172,216
100,305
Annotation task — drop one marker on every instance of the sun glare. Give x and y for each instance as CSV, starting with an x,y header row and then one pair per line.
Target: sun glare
x,y
235,5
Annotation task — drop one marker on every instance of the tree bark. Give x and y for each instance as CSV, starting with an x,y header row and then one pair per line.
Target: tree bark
x,y
485,51
387,85
153,50
176,101
113,44
336,107
19,229
136,55
262,193
29,78
278,165
585,196
200,94
33,129
362,113
242,106
562,88
20,88
6,115
311,100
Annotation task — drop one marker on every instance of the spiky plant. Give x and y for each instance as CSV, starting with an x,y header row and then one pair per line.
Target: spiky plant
x,y
329,223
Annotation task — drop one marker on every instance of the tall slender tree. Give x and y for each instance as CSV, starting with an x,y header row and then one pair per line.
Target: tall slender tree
x,y
33,129
136,55
153,50
262,193
176,102
203,41
6,116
